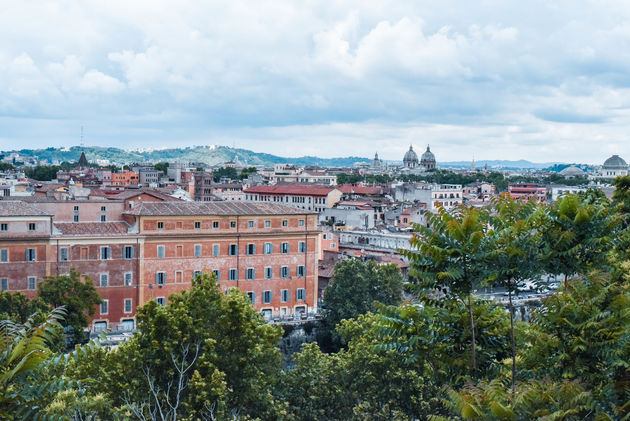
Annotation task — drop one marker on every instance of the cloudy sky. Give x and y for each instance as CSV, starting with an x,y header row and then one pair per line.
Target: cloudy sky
x,y
538,80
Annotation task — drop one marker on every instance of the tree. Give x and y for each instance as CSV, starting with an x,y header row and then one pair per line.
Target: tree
x,y
79,298
17,307
449,258
245,172
576,236
513,253
227,172
161,166
355,287
204,355
23,351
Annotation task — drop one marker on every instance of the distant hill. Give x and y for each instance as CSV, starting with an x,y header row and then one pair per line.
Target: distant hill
x,y
499,164
210,155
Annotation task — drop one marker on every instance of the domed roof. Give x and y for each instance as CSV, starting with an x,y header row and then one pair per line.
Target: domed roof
x,y
428,156
572,171
410,156
615,161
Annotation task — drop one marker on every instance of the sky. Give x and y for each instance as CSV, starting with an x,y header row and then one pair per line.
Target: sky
x,y
538,80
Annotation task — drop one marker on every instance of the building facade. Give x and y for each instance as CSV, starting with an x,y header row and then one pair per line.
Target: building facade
x,y
154,249
307,197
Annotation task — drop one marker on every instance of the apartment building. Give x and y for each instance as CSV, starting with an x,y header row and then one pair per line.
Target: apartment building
x,y
527,191
154,249
305,196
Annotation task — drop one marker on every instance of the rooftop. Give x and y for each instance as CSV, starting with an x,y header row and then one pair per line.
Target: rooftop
x,y
18,208
92,228
128,194
213,208
298,189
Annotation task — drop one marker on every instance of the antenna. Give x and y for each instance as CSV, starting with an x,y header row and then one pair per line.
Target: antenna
x,y
81,136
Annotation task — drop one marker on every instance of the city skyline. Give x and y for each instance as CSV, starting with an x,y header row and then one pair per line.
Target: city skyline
x,y
523,81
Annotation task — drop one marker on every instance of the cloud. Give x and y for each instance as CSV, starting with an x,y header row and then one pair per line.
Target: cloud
x,y
498,77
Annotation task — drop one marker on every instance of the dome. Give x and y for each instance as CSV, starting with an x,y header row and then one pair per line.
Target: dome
x,y
615,161
572,171
410,156
428,156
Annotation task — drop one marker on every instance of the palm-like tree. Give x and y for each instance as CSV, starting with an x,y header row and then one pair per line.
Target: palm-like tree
x,y
449,256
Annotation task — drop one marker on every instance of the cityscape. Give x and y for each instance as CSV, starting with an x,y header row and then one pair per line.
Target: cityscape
x,y
335,211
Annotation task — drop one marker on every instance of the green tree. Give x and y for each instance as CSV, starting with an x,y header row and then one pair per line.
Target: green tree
x,y
355,288
17,307
228,172
79,298
449,258
204,354
576,236
161,166
24,348
513,255
42,172
245,172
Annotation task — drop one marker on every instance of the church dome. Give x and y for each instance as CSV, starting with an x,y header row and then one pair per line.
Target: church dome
x,y
428,159
410,156
572,171
615,162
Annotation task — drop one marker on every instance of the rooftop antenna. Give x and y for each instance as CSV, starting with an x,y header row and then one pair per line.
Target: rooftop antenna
x,y
82,136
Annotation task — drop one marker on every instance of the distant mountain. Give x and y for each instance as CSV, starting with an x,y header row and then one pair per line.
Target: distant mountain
x,y
499,164
210,155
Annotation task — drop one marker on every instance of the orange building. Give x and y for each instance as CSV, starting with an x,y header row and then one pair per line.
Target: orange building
x,y
528,190
154,249
125,179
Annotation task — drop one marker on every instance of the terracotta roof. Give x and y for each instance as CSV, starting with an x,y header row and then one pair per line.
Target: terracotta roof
x,y
18,208
92,228
182,208
297,189
352,189
128,194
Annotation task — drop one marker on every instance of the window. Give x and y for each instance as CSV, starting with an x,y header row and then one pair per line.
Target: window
x,y
324,236
197,225
267,224
285,223
284,248
160,278
100,326
215,224
104,306
4,227
252,297
268,272
160,252
103,218
127,306
105,253
4,255
218,273
128,278
268,248
31,283
103,208
197,250
76,208
301,222
75,218
196,273
333,245
104,280
300,294
233,251
160,225
128,252
301,270
215,250
267,297
4,284
284,295
161,301
250,224
233,275
179,276
251,273
232,224
251,249
284,272
302,247
31,226
31,255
